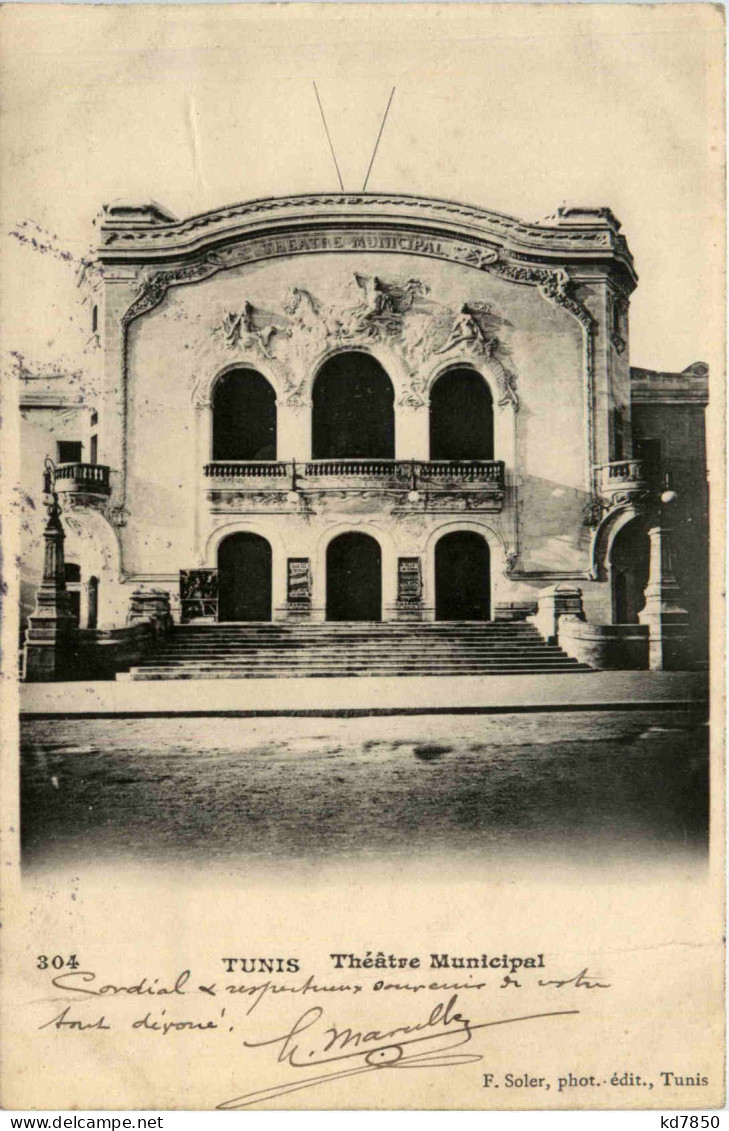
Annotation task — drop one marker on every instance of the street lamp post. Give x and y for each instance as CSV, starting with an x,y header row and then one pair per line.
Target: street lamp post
x,y
50,625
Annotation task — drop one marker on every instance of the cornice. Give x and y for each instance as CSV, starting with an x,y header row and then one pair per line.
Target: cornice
x,y
146,234
57,400
648,395
651,386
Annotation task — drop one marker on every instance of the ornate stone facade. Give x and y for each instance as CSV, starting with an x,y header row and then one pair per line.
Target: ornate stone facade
x,y
536,314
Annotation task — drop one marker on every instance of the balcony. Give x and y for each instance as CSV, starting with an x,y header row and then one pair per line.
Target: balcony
x,y
344,484
83,479
407,475
623,482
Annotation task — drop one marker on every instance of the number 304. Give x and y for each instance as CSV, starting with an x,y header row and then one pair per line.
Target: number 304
x,y
58,962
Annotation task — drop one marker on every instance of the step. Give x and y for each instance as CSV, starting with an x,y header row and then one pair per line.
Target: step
x,y
352,649
402,653
328,674
384,668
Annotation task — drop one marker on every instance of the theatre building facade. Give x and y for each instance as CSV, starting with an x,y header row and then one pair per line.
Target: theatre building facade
x,y
340,408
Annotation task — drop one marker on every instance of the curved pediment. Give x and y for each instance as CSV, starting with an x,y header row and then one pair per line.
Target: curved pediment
x,y
321,222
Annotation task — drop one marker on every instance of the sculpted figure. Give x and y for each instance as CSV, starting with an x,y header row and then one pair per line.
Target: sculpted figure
x,y
309,315
467,330
240,329
230,329
382,307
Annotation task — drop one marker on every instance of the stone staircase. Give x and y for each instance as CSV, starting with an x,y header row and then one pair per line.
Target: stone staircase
x,y
335,649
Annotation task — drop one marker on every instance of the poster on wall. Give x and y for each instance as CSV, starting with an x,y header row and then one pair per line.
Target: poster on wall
x,y
363,666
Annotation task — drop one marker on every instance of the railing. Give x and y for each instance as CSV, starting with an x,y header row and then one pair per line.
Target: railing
x,y
251,469
410,471
405,473
361,467
623,475
625,469
92,478
469,470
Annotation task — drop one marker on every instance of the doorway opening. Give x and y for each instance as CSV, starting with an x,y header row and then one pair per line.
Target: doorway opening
x,y
244,578
354,578
629,569
462,577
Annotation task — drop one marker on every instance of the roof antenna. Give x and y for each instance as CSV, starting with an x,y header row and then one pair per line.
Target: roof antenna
x,y
326,128
387,110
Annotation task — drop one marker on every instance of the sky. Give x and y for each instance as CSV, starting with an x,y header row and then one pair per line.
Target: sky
x,y
514,108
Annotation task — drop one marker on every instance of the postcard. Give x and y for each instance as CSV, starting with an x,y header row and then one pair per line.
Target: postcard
x,y
364,478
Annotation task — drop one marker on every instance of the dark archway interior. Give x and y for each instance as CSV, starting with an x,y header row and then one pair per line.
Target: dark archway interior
x,y
244,578
354,578
461,417
462,577
353,414
629,562
244,417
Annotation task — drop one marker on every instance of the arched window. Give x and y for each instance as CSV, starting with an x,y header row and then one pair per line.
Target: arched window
x,y
244,417
461,416
353,414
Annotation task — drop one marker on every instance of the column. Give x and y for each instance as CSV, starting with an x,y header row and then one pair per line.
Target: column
x,y
412,432
293,431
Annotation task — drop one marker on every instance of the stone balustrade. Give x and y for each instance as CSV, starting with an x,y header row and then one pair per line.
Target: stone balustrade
x,y
251,469
623,475
624,483
86,478
463,470
404,473
360,468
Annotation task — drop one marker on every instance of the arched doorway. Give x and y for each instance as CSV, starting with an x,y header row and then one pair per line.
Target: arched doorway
x,y
629,569
462,577
244,578
461,416
353,414
354,578
244,417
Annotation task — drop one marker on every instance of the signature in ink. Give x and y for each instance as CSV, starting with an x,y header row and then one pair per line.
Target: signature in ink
x,y
395,1048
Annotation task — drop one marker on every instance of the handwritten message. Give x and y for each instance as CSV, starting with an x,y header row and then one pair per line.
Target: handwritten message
x,y
294,1030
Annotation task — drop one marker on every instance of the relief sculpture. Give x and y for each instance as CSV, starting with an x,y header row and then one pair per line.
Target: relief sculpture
x,y
415,326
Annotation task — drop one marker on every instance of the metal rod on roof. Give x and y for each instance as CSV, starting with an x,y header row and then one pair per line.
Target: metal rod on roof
x,y
377,143
326,129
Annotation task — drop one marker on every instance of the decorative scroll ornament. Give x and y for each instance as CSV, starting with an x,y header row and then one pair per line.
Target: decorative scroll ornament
x,y
118,516
592,513
618,322
637,499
